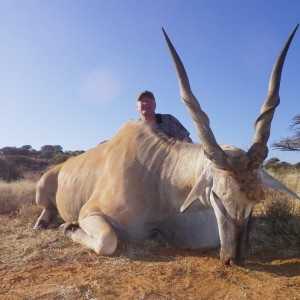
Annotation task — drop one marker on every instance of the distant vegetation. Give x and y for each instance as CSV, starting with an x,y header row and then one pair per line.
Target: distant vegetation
x,y
26,162
274,164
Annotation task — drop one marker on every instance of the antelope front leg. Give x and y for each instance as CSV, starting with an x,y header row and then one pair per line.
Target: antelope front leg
x,y
95,233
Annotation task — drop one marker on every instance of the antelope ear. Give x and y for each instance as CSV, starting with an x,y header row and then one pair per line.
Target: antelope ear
x,y
196,191
275,184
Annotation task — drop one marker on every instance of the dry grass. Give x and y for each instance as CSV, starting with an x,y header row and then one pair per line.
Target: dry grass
x,y
16,195
45,265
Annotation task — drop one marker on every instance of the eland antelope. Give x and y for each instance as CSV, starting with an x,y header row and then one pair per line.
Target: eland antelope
x,y
138,183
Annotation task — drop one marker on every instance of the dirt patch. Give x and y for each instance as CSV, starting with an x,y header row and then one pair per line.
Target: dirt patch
x,y
46,265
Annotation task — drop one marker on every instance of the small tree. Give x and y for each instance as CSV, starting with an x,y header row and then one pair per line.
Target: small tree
x,y
52,148
291,143
272,163
27,147
8,151
49,151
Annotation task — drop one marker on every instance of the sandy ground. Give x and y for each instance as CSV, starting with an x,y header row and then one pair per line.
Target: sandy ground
x,y
46,265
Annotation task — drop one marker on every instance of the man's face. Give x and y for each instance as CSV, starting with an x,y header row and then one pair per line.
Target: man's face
x,y
146,106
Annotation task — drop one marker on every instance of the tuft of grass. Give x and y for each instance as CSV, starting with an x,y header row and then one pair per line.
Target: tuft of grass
x,y
283,216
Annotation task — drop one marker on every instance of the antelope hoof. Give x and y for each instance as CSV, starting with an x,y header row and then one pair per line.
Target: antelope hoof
x,y
67,227
42,224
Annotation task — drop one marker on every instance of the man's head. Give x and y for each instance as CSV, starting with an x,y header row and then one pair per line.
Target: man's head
x,y
145,93
146,105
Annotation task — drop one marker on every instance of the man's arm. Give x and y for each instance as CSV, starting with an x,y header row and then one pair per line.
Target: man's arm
x,y
178,131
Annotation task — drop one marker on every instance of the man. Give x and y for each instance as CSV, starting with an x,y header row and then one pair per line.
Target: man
x,y
167,123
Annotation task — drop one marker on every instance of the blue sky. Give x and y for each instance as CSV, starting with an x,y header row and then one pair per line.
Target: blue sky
x,y
70,70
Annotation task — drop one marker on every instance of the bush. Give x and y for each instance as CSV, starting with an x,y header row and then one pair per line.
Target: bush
x,y
282,217
297,166
58,158
275,165
19,160
8,171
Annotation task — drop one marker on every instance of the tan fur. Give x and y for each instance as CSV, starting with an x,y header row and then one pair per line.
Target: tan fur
x,y
135,184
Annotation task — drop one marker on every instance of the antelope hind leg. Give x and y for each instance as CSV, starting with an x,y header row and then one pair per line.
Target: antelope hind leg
x,y
45,218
